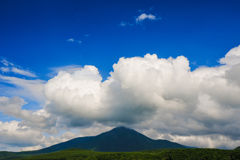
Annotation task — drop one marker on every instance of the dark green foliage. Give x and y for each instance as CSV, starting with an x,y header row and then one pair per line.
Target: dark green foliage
x,y
66,154
4,155
161,154
238,147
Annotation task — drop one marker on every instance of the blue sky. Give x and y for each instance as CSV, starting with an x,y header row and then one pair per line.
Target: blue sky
x,y
35,33
40,38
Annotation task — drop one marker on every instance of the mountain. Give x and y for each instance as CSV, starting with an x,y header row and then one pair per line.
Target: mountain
x,y
120,139
63,145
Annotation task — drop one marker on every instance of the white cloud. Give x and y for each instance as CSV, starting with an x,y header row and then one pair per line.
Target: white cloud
x,y
159,97
95,129
211,141
148,92
145,16
15,70
6,63
39,120
70,40
5,69
232,57
31,148
31,89
69,69
23,72
75,41
123,24
233,76
140,18
14,135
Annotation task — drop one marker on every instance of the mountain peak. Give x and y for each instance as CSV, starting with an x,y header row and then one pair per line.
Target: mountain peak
x,y
121,128
119,139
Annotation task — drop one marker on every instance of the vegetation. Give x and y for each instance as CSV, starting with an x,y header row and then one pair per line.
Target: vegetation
x,y
4,155
161,154
238,148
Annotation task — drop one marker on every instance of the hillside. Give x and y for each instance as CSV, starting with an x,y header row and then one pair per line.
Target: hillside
x,y
238,148
122,139
161,154
63,145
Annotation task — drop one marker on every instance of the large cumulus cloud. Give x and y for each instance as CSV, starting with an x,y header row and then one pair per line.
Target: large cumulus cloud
x,y
159,97
151,92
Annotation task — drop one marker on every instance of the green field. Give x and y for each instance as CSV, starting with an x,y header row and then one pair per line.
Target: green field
x,y
161,154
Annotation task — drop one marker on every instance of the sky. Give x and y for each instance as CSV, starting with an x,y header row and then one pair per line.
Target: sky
x,y
169,69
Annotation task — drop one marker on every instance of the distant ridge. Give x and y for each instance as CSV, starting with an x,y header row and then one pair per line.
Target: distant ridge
x,y
119,139
238,148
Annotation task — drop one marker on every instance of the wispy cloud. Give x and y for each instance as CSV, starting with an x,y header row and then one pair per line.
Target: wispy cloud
x,y
10,67
150,8
6,63
31,89
23,72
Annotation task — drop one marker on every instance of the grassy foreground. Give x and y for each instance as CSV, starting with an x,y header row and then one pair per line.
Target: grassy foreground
x,y
162,154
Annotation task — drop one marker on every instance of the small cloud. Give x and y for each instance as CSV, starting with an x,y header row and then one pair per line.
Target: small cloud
x,y
123,24
87,35
75,41
71,40
144,16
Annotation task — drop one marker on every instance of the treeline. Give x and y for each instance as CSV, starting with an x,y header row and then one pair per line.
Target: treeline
x,y
162,154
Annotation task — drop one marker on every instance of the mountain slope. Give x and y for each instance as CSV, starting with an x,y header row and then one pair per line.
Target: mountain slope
x,y
64,145
122,139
